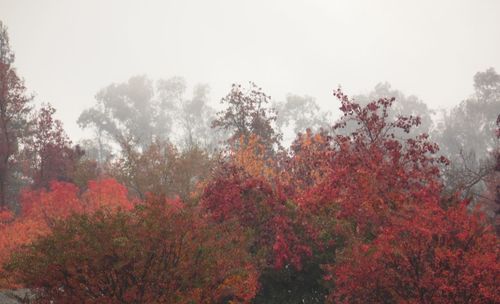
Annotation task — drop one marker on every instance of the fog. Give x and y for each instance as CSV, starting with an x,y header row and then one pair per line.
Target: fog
x,y
68,50
249,151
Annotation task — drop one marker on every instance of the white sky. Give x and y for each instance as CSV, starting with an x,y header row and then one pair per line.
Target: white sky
x,y
68,50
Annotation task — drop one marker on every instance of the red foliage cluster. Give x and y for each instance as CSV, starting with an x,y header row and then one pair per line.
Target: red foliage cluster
x,y
427,255
256,205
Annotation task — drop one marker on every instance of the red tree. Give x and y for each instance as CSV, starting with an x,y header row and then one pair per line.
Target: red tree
x,y
49,150
350,186
235,196
427,255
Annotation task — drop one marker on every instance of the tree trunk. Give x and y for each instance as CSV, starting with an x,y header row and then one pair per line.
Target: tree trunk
x,y
3,195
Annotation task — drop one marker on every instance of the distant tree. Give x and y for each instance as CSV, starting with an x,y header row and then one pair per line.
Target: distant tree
x,y
300,113
403,105
140,111
195,116
247,114
467,135
14,117
128,112
471,125
489,200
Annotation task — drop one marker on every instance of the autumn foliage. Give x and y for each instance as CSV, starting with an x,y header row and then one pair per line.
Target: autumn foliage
x,y
157,253
340,217
337,197
426,255
42,209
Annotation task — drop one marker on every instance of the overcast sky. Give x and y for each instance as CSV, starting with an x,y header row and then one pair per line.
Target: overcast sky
x,y
67,50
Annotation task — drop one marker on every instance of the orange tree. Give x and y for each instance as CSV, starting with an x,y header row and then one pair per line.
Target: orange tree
x,y
42,208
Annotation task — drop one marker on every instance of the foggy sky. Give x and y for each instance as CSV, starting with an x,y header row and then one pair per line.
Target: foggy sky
x,y
68,50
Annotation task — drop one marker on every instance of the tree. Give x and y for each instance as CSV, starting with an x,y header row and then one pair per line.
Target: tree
x,y
330,191
467,136
162,169
127,113
497,187
158,253
403,105
369,187
195,116
49,151
140,112
427,255
42,208
489,200
14,116
347,188
369,173
246,115
277,245
300,113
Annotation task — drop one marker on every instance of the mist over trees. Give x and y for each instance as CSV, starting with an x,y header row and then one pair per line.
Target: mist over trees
x,y
140,111
466,135
172,201
403,106
298,113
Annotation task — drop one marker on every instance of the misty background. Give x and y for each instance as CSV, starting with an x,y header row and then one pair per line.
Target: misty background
x,y
67,51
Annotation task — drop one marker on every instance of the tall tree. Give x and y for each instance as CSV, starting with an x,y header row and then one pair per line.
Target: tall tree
x,y
194,117
246,114
14,113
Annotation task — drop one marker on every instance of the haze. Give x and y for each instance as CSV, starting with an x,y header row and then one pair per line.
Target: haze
x,y
68,50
